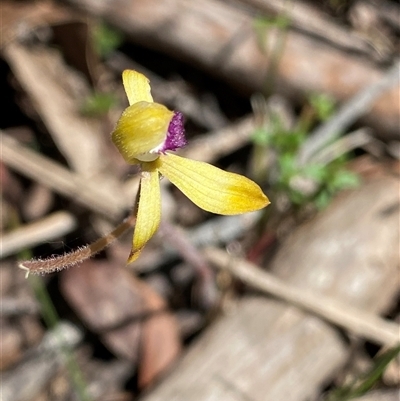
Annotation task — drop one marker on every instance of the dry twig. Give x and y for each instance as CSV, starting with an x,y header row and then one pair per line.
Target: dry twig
x,y
212,146
91,193
46,229
354,320
347,114
219,230
44,75
346,144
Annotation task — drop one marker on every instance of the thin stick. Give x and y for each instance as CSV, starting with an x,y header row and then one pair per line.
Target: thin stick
x,y
38,70
216,144
341,146
361,323
220,229
208,293
91,193
57,263
347,114
29,235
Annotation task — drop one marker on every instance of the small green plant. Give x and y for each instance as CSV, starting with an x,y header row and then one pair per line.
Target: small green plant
x,y
271,46
105,39
263,24
322,104
367,381
98,104
314,182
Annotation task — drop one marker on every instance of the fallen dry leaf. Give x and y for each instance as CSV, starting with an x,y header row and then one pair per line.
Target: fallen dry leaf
x,y
160,344
131,319
107,300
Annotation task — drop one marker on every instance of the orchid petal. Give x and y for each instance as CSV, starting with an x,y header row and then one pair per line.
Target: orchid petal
x,y
211,188
137,87
141,128
149,212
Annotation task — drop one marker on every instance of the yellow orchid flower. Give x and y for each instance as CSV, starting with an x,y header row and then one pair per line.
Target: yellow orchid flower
x,y
145,134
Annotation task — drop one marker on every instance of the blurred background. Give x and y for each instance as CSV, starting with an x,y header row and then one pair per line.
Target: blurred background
x,y
296,302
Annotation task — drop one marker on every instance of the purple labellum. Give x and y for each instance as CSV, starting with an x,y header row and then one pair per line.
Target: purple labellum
x,y
176,133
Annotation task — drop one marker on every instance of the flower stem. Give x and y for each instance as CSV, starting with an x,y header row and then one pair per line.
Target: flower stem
x,y
57,263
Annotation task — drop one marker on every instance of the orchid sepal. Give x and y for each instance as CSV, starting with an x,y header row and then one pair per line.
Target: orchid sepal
x,y
211,188
149,210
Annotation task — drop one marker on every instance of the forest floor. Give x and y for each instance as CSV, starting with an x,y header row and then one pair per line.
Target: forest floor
x,y
298,301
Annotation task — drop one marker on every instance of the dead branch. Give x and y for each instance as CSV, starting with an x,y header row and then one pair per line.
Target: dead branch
x,y
349,112
356,321
90,192
46,229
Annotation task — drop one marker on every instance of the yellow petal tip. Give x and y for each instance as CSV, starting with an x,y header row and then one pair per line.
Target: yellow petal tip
x,y
149,212
133,256
137,87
